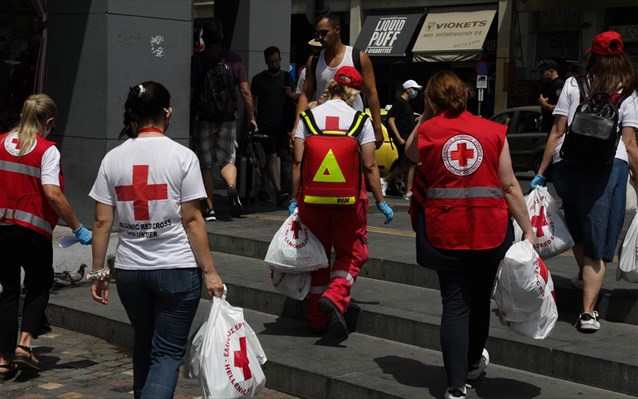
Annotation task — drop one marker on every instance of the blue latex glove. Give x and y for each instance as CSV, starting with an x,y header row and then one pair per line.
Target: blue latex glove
x,y
84,235
538,180
292,205
384,208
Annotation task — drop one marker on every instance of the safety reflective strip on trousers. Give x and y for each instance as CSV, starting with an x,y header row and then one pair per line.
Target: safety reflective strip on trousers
x,y
318,289
9,166
12,214
461,193
344,275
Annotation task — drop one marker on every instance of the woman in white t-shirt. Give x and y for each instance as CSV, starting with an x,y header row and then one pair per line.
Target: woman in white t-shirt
x,y
155,186
594,199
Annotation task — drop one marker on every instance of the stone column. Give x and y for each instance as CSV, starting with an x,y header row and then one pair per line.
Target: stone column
x,y
97,50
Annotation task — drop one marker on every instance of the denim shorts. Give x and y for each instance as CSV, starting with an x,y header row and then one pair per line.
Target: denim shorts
x,y
594,205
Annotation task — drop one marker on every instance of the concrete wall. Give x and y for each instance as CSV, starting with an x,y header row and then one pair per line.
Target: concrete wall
x,y
97,50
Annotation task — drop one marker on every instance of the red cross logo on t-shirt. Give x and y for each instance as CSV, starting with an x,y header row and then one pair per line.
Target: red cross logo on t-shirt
x,y
539,221
140,192
241,359
462,154
332,123
16,142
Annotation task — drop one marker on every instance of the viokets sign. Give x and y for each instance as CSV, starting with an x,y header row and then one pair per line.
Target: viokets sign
x,y
456,30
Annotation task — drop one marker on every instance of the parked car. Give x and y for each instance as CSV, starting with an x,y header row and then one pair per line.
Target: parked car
x,y
526,140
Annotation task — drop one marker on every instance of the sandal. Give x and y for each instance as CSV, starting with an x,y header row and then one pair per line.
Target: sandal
x,y
24,362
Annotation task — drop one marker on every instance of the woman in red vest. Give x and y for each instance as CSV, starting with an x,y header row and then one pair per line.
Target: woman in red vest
x,y
31,200
465,191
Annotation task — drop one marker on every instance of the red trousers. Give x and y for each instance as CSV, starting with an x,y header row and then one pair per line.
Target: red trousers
x,y
343,229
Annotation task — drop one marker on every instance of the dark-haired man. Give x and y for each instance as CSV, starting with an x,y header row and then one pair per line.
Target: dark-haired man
x,y
273,91
215,141
334,55
553,85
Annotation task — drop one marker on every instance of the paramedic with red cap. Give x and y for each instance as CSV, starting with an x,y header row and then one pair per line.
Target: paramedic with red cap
x,y
336,145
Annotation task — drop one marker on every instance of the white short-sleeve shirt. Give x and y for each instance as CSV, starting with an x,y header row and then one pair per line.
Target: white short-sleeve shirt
x,y
570,99
146,180
345,114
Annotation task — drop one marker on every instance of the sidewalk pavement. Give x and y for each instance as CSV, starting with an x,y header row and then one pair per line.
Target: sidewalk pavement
x,y
77,366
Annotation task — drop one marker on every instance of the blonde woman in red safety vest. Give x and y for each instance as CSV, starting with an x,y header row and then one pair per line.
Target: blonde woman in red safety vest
x,y
31,200
334,151
465,191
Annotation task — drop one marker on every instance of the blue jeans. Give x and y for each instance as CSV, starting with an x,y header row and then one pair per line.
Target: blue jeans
x,y
161,305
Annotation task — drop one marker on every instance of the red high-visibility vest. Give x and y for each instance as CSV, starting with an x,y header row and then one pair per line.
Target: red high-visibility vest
x,y
331,171
22,199
464,204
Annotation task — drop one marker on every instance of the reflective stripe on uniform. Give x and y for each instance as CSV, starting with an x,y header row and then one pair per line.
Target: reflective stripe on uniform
x,y
12,214
463,193
314,199
9,166
344,275
318,289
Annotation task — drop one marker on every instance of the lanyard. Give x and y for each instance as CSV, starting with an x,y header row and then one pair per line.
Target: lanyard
x,y
150,129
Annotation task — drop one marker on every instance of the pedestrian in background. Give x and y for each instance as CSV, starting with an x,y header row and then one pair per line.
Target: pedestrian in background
x,y
215,140
401,121
552,86
594,199
334,55
465,190
336,145
273,92
32,199
155,186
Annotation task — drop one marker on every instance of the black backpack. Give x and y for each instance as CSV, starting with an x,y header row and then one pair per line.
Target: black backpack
x,y
217,100
592,138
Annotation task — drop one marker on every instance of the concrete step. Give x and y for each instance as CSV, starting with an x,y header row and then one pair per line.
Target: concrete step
x,y
393,258
411,315
303,365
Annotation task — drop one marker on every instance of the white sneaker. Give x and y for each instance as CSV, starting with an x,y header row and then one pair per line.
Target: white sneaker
x,y
478,368
384,186
587,322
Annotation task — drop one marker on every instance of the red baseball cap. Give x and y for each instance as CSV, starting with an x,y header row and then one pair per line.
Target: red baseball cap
x,y
607,43
348,76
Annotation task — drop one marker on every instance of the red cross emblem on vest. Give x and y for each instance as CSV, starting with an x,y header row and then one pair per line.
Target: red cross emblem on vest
x,y
140,192
462,154
16,142
539,221
241,359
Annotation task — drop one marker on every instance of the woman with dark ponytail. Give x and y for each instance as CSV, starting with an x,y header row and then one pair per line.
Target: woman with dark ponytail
x,y
31,201
155,185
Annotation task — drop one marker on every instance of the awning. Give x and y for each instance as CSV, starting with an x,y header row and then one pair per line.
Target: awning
x,y
452,36
387,35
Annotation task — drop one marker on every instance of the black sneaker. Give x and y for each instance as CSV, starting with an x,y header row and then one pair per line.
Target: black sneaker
x,y
336,322
457,393
282,197
234,202
209,215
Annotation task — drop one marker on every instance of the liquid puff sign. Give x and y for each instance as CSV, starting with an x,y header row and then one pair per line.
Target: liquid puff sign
x,y
385,34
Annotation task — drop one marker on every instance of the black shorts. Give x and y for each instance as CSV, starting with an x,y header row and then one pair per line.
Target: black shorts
x,y
278,141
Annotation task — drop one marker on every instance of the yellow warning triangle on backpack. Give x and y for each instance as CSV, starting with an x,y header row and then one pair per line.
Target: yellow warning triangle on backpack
x,y
329,170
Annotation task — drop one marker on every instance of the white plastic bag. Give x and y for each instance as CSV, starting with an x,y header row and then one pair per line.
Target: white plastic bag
x,y
292,285
294,249
524,292
225,354
548,223
628,254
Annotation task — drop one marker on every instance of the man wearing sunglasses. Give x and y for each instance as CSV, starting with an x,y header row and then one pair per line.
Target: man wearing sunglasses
x,y
335,55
